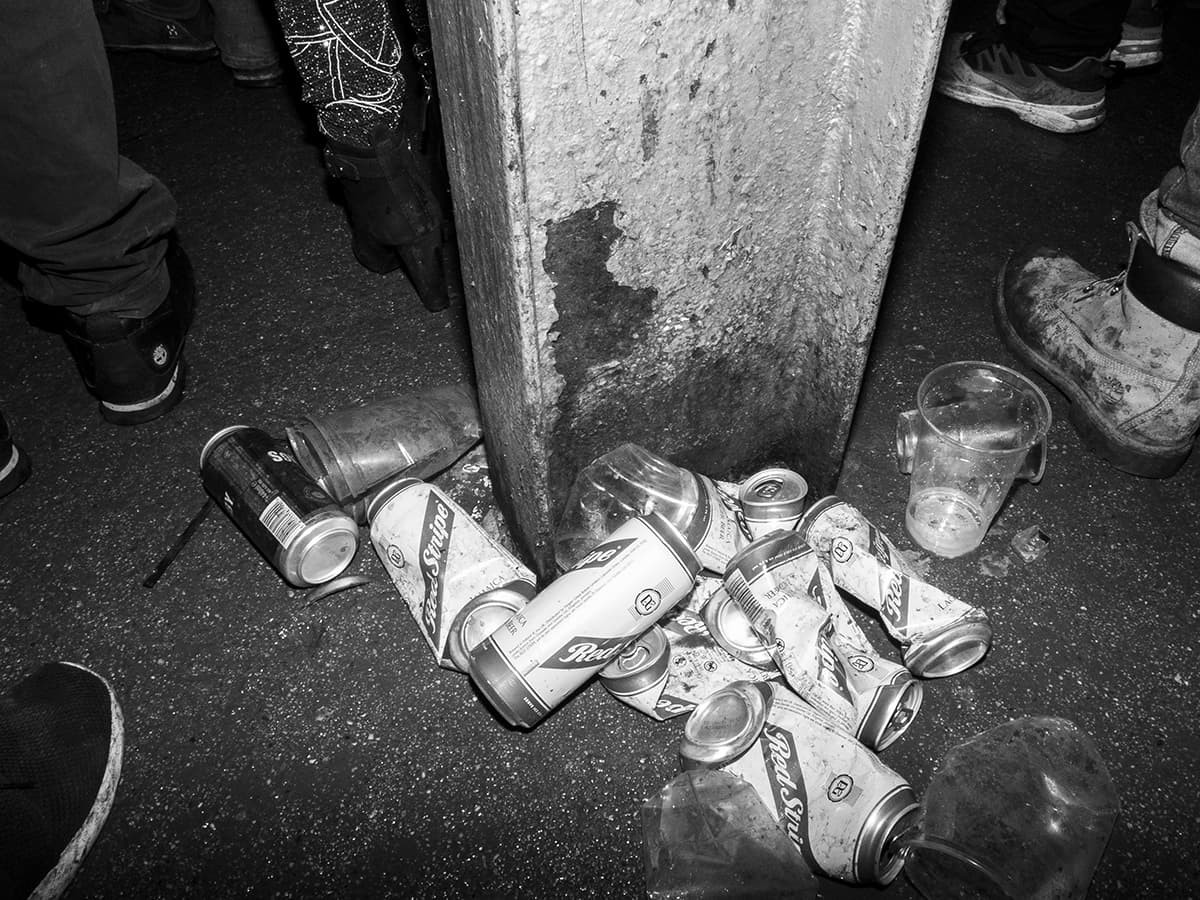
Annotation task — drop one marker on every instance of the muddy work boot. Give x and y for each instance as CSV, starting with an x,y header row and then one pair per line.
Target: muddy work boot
x,y
135,367
1125,350
398,199
14,463
981,70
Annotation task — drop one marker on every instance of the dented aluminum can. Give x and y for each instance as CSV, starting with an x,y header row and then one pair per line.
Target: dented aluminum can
x,y
583,620
296,525
796,591
482,616
941,634
439,558
692,667
837,802
772,499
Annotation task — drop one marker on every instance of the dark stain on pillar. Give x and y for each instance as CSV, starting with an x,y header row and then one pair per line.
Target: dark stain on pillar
x,y
649,104
601,328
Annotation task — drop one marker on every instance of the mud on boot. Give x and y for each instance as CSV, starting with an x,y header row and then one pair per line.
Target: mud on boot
x,y
1125,349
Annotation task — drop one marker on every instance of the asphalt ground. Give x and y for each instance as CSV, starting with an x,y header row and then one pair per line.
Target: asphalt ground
x,y
277,748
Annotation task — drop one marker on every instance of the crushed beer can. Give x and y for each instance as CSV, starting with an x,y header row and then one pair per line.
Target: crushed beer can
x,y
441,561
296,525
941,635
768,588
884,697
675,665
837,802
583,620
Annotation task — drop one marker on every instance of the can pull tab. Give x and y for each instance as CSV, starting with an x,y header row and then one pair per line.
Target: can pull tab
x,y
908,436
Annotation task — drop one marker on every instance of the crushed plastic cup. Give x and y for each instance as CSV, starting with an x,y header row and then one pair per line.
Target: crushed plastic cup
x,y
1022,811
708,834
978,428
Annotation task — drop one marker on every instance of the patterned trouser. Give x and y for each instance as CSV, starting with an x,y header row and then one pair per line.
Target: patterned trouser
x,y
359,61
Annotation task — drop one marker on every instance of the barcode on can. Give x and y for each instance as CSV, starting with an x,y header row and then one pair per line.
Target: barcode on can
x,y
739,590
281,520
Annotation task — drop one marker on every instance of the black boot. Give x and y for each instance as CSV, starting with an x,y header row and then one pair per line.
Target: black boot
x,y
135,366
397,192
14,464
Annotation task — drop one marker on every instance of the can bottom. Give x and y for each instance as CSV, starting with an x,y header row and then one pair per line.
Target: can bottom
x,y
504,688
949,651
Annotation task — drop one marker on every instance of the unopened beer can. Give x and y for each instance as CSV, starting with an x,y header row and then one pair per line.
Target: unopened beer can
x,y
772,499
941,634
583,619
439,558
836,801
307,537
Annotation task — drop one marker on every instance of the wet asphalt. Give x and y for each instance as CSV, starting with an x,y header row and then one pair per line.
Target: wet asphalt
x,y
277,748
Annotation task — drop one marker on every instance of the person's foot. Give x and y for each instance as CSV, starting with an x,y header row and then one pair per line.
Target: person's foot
x,y
126,27
981,70
1125,349
14,463
1141,41
135,367
267,76
61,746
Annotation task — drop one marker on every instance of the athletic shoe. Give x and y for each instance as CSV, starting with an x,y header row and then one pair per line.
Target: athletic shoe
x,y
1141,35
126,28
983,71
14,464
61,744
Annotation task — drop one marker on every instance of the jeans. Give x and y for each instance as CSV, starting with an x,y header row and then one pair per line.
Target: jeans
x,y
1179,191
1062,32
88,225
241,28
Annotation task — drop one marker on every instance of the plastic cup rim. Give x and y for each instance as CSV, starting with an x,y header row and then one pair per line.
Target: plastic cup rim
x,y
1038,393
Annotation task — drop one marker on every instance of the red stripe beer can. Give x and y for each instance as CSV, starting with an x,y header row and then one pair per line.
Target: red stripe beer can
x,y
308,538
583,620
836,801
772,499
441,560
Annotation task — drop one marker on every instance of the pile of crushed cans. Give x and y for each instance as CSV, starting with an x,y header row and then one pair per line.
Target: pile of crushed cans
x,y
724,605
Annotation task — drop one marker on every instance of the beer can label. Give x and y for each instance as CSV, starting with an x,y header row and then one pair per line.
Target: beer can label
x,y
865,564
835,800
583,619
439,558
718,530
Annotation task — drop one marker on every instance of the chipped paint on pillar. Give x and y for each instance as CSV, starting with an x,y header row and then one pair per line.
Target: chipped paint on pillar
x,y
708,196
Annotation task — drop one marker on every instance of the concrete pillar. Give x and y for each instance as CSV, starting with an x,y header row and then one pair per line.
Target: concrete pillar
x,y
676,220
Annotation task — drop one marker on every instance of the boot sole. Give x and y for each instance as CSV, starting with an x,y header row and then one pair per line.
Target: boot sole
x,y
1112,445
1059,119
148,410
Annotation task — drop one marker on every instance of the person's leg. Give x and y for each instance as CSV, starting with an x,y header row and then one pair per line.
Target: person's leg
x,y
181,29
377,106
1046,62
1125,349
91,229
247,42
1060,33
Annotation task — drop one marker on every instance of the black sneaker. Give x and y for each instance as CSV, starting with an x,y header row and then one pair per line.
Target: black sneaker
x,y
61,743
126,28
14,464
981,70
1141,42
135,366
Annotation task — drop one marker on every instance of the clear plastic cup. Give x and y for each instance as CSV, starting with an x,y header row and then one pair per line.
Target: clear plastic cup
x,y
975,427
1022,811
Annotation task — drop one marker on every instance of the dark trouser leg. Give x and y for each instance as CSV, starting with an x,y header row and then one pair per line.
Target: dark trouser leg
x,y
89,225
1062,32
